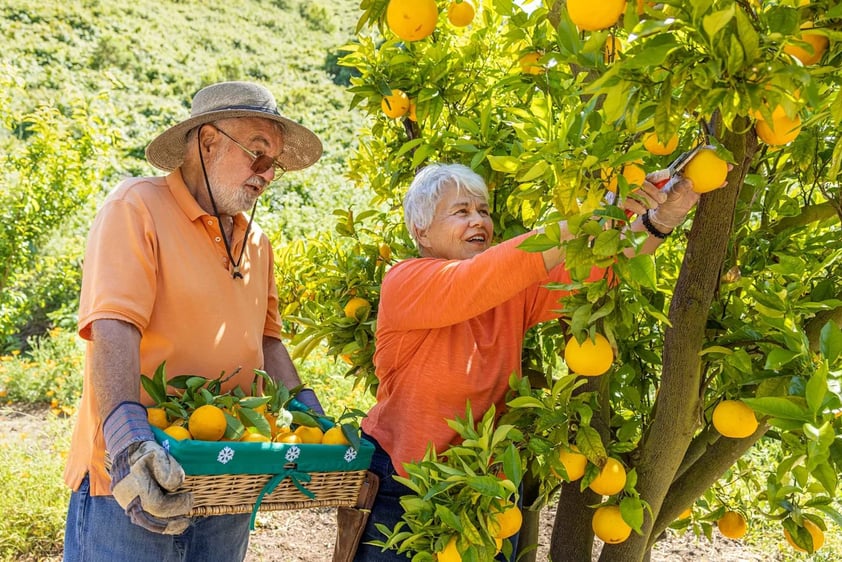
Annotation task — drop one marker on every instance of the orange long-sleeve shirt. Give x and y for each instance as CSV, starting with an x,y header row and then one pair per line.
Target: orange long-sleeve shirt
x,y
449,331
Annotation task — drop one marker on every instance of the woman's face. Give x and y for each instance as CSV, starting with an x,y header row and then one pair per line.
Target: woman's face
x,y
461,227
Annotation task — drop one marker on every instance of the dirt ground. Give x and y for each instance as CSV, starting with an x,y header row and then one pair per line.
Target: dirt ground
x,y
308,535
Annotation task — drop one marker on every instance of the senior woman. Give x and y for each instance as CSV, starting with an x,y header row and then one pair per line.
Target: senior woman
x,y
451,323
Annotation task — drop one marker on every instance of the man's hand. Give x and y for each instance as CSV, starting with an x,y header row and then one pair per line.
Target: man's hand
x,y
143,478
143,474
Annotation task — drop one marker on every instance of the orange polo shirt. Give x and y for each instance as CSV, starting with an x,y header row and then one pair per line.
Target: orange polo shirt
x,y
449,331
155,259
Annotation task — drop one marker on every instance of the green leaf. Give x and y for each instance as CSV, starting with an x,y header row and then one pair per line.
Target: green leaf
x,y
642,271
713,23
654,52
778,357
505,164
830,342
485,484
448,517
512,465
535,172
816,390
590,444
250,418
827,477
607,243
526,402
778,407
152,390
632,510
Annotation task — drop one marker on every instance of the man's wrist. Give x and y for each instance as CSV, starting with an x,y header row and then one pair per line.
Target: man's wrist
x,y
126,424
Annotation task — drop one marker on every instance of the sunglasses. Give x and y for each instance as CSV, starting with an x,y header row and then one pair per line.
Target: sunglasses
x,y
260,162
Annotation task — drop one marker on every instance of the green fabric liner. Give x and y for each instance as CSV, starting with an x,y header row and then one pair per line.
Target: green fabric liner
x,y
234,457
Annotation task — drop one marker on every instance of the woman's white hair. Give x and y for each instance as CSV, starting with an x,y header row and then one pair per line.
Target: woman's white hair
x,y
419,204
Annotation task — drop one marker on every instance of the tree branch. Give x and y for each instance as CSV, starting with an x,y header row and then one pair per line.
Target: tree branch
x,y
808,215
697,478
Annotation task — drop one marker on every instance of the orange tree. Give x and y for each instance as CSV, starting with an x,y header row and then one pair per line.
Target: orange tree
x,y
743,303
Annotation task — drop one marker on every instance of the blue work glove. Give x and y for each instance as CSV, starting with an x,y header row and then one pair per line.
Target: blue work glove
x,y
307,397
143,474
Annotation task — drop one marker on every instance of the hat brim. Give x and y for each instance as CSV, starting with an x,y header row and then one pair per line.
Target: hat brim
x,y
302,147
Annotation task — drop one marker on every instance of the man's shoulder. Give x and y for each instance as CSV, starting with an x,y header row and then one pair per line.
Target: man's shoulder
x,y
138,186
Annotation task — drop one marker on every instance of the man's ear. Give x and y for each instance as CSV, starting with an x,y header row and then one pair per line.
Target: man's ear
x,y
207,137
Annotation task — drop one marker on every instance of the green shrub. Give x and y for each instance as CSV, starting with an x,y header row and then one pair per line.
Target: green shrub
x,y
49,373
34,499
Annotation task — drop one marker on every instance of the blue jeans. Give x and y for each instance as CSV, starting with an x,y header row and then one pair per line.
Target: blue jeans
x,y
98,530
387,511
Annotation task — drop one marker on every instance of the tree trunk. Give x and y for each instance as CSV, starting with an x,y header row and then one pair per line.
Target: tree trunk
x,y
572,538
676,418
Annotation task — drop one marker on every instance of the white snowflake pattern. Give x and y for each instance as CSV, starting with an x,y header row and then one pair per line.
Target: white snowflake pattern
x,y
293,453
350,454
225,455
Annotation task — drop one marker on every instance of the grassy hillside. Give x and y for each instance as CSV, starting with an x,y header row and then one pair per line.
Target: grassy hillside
x,y
149,57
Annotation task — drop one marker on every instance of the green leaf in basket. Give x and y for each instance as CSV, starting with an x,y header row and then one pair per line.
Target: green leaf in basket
x,y
155,387
351,433
195,382
207,396
250,418
253,401
180,381
302,418
234,429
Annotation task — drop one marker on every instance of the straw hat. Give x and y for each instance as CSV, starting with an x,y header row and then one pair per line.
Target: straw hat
x,y
235,99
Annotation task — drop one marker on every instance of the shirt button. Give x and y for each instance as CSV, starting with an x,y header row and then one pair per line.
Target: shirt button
x,y
210,223
218,239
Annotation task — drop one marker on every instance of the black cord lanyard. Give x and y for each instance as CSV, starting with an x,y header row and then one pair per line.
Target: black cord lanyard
x,y
236,272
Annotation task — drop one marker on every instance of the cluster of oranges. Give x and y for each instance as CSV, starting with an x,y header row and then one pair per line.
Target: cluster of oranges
x,y
413,20
607,521
210,423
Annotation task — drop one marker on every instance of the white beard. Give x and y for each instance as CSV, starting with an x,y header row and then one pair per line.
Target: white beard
x,y
230,199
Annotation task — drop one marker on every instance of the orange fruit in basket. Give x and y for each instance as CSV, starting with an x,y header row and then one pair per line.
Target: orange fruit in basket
x,y
157,417
178,432
254,437
288,437
272,418
309,434
334,436
207,423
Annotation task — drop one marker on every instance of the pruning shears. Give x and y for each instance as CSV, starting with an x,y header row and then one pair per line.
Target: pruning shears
x,y
678,164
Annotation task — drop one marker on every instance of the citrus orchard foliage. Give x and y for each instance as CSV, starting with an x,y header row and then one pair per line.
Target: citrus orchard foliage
x,y
743,302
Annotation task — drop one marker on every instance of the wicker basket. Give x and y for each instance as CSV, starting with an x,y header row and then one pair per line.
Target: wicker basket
x,y
238,493
234,477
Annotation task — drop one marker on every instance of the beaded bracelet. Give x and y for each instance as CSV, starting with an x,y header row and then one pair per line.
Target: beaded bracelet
x,y
650,228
